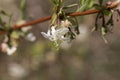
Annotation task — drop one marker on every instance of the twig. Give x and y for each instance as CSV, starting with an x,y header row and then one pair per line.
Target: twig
x,y
113,5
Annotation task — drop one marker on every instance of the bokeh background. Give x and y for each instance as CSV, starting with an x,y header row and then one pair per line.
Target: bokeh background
x,y
86,58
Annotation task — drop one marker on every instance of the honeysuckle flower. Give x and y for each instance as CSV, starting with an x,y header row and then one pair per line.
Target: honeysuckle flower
x,y
31,37
55,34
9,50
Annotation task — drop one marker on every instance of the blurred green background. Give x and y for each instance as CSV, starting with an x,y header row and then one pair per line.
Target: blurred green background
x,y
87,57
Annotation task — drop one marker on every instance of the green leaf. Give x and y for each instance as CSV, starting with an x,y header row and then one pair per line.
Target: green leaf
x,y
55,2
97,6
107,12
103,31
70,6
23,5
54,17
82,2
90,3
22,8
85,5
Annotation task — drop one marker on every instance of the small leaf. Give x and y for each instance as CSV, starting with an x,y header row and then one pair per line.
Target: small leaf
x,y
82,2
70,6
107,12
55,2
97,6
54,17
22,5
103,31
85,5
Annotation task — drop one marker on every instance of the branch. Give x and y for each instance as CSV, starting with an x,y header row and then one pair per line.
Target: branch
x,y
15,27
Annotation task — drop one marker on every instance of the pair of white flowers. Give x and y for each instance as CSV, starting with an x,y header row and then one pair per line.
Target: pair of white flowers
x,y
56,34
9,50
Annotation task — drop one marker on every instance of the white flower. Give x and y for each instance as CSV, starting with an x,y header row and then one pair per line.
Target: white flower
x,y
55,34
31,37
11,50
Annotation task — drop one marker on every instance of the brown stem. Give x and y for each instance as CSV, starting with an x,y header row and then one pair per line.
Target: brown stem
x,y
113,5
32,22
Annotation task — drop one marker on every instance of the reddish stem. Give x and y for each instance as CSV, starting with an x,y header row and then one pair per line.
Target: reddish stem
x,y
113,5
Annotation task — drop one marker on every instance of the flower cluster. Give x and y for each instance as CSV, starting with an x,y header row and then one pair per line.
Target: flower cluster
x,y
9,50
56,34
63,32
8,47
